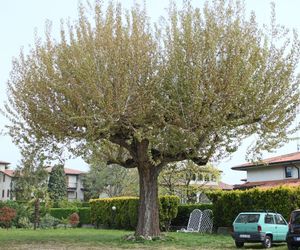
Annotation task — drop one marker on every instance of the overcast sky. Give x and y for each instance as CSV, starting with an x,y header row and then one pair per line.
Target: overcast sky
x,y
20,18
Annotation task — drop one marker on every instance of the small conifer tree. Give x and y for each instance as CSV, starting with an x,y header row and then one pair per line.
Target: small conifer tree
x,y
57,185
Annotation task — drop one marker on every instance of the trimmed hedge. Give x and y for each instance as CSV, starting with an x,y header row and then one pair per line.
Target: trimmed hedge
x,y
228,204
126,214
63,213
184,211
84,215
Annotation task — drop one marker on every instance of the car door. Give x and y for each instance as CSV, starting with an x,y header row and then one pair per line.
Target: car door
x,y
281,228
270,225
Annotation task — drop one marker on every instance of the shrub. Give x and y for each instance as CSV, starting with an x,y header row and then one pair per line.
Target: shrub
x,y
84,215
24,222
61,213
23,209
74,220
126,214
7,214
184,211
228,204
68,204
49,221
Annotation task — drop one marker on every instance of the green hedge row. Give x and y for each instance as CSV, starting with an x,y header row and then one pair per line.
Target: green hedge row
x,y
228,204
184,211
126,214
84,213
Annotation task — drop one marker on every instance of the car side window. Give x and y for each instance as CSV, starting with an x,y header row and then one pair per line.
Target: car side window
x,y
269,219
279,220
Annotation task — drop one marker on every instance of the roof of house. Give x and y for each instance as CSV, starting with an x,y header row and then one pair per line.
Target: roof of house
x,y
288,158
268,184
225,186
4,163
68,171
8,172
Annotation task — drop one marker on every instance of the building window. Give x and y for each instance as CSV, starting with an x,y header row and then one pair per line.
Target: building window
x,y
7,193
288,172
4,178
3,193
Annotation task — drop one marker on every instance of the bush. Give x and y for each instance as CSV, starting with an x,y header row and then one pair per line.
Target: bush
x,y
22,210
228,204
126,214
84,215
74,220
62,213
49,221
24,222
184,211
7,214
68,204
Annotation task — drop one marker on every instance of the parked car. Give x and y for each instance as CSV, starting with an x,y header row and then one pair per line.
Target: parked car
x,y
293,235
264,227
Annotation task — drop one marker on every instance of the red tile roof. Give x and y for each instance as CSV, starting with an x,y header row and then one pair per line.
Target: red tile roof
x,y
8,172
225,186
293,157
268,184
68,171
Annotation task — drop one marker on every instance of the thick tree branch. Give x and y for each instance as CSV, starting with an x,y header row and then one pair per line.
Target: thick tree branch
x,y
129,163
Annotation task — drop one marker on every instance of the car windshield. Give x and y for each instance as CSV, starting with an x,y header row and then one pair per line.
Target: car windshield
x,y
247,218
295,218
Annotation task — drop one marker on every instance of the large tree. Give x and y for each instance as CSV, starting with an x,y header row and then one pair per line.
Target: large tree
x,y
192,87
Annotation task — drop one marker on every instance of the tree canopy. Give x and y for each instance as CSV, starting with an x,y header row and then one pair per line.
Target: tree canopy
x,y
192,86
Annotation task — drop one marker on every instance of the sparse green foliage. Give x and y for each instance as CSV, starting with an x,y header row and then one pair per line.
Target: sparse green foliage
x,y
57,185
110,180
191,88
186,179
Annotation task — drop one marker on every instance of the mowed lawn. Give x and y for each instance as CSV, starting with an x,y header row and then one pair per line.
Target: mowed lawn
x,y
82,238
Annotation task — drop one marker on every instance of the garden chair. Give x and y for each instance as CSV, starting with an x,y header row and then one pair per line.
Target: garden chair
x,y
194,222
206,224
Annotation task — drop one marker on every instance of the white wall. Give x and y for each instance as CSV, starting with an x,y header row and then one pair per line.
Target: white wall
x,y
269,173
5,186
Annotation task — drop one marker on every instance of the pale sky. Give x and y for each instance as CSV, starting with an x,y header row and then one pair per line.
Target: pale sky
x,y
20,18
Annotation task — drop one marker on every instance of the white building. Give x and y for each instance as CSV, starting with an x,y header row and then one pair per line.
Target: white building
x,y
6,176
279,170
73,178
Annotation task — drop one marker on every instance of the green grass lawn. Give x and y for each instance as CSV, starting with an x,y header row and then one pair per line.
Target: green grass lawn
x,y
73,239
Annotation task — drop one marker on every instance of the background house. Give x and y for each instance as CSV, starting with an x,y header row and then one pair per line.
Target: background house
x,y
6,177
73,177
279,170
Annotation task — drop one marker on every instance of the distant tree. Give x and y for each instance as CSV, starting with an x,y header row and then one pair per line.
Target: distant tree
x,y
29,175
182,179
57,185
192,87
31,178
110,180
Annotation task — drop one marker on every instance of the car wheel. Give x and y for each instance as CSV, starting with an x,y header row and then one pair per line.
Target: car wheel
x,y
239,244
267,243
291,247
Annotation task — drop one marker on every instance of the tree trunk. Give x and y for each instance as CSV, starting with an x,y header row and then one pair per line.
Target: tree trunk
x,y
36,213
148,216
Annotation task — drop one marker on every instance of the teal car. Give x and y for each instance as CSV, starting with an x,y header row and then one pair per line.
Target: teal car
x,y
264,227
